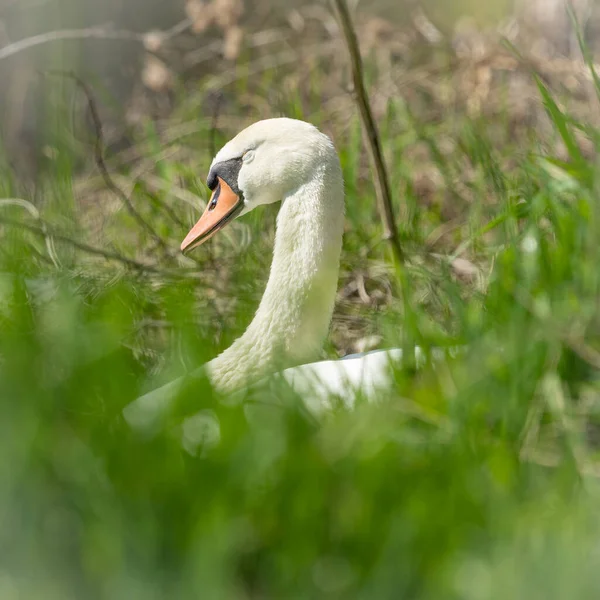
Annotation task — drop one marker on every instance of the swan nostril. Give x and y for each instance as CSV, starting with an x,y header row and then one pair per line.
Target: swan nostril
x,y
215,198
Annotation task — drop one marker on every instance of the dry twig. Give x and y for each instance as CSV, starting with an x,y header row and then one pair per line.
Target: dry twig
x,y
99,33
44,231
101,164
382,184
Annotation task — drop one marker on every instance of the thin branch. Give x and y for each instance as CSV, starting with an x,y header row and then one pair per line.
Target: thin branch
x,y
178,28
262,64
101,164
98,33
44,232
256,40
382,184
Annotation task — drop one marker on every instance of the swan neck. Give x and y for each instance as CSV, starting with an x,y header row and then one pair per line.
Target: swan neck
x,y
294,314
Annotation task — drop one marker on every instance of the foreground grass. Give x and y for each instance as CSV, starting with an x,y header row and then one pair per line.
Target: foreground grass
x,y
472,479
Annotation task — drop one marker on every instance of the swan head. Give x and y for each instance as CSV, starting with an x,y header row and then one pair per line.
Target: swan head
x,y
263,164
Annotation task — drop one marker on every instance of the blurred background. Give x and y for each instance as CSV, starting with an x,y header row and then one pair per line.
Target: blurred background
x,y
142,54
472,479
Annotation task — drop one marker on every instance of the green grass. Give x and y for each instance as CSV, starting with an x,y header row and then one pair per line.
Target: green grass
x,y
471,479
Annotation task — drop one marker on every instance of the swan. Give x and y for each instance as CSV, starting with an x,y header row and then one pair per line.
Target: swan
x,y
289,161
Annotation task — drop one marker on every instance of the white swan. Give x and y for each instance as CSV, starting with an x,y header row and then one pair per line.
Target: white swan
x,y
290,161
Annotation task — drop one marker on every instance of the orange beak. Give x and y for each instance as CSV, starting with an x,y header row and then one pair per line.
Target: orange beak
x,y
224,206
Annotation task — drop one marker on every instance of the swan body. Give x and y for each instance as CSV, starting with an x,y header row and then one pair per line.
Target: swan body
x,y
322,385
293,162
326,383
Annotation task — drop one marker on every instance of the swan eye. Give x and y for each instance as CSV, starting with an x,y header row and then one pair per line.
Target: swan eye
x,y
248,155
